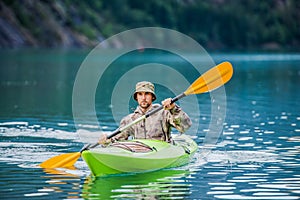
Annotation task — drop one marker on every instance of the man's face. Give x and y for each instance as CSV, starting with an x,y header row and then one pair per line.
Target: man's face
x,y
144,99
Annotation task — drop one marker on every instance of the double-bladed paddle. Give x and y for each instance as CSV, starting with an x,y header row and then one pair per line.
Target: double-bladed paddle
x,y
210,80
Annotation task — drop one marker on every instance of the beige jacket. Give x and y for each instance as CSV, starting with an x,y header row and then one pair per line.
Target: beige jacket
x,y
157,126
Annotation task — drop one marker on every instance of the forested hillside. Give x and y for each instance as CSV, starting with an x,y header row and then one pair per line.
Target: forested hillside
x,y
215,24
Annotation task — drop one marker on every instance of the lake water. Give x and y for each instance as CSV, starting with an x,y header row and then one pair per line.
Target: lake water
x,y
256,157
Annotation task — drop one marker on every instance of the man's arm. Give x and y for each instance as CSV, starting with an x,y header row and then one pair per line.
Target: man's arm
x,y
177,117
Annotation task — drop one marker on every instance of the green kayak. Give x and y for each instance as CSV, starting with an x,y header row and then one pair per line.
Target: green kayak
x,y
139,155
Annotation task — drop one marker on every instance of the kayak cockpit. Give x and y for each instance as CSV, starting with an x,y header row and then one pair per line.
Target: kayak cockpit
x,y
136,146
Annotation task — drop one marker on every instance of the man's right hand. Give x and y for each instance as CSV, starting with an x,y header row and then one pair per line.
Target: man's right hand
x,y
167,104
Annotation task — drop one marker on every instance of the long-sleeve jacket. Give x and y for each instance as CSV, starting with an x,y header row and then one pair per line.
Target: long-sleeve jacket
x,y
157,126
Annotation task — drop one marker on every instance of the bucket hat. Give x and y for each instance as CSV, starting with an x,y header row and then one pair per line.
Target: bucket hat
x,y
144,86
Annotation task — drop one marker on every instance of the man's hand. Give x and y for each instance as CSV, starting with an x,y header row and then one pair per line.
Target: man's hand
x,y
103,139
167,104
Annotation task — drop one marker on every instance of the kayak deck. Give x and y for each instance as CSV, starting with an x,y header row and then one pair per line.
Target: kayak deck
x,y
139,155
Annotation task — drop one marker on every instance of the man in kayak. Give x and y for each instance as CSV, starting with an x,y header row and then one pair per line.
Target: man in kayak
x,y
157,126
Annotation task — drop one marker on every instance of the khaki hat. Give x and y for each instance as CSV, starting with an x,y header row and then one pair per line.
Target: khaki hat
x,y
144,86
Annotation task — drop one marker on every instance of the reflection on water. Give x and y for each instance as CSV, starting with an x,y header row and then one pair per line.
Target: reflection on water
x,y
151,185
33,183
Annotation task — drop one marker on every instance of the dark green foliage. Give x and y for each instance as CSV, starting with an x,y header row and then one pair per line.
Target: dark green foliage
x,y
216,24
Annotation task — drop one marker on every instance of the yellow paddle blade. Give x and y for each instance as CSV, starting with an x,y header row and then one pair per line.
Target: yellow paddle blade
x,y
63,160
212,79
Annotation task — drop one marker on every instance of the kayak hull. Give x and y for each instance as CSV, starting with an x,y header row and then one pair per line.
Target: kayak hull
x,y
115,160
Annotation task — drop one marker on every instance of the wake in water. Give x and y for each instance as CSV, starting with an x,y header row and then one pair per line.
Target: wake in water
x,y
250,159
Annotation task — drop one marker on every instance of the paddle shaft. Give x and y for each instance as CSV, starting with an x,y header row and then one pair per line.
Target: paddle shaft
x,y
121,129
